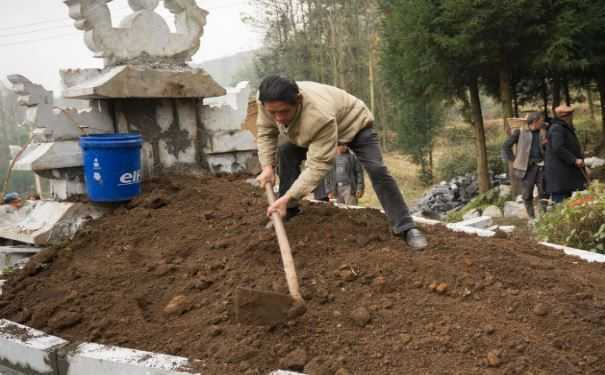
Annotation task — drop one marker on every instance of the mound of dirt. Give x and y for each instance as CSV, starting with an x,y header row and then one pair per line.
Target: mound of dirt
x,y
160,275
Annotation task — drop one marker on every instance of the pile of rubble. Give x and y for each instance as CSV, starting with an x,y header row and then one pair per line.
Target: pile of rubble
x,y
453,194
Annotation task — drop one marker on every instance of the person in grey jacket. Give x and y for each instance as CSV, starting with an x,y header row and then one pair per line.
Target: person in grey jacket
x,y
528,163
345,181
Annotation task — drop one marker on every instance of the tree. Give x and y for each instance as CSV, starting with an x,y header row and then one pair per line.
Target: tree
x,y
449,57
415,80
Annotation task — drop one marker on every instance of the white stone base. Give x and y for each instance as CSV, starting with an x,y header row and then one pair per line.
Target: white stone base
x,y
95,359
43,222
27,350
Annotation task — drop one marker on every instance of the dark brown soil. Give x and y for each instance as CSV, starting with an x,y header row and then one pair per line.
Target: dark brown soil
x,y
160,275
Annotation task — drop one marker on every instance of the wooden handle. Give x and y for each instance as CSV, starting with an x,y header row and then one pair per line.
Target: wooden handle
x,y
284,248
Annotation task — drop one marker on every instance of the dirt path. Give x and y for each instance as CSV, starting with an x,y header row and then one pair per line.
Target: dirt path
x,y
159,276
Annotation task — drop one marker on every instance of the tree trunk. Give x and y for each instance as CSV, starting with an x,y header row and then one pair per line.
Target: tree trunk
x,y
371,75
545,96
566,92
431,163
590,98
515,101
506,98
556,93
601,87
481,149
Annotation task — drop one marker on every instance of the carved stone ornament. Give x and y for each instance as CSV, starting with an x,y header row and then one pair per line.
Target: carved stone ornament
x,y
143,37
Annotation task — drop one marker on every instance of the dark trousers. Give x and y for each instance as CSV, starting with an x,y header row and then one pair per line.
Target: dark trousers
x,y
366,147
534,176
560,197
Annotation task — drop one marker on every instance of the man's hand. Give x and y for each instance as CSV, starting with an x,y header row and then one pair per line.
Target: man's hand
x,y
267,176
280,206
359,194
579,163
330,195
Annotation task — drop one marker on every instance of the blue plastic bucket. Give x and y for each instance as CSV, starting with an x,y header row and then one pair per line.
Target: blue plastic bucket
x,y
112,166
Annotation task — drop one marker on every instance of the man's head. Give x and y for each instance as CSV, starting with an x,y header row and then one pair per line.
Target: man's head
x,y
565,113
341,149
13,199
535,120
280,97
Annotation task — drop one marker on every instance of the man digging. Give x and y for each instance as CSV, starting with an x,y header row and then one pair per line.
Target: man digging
x,y
315,118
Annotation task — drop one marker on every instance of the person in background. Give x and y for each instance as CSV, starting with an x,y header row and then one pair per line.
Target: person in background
x,y
12,200
345,181
564,169
528,163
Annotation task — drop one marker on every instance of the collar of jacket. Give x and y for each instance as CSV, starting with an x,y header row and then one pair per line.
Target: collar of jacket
x,y
563,123
296,120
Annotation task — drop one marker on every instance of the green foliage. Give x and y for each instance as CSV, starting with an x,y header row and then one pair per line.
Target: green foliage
x,y
460,162
578,222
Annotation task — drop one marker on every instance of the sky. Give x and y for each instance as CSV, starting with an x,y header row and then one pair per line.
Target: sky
x,y
37,37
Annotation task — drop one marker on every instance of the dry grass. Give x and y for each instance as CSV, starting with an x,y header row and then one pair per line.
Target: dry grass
x,y
406,175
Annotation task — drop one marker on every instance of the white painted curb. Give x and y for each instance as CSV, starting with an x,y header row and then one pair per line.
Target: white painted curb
x,y
588,256
27,350
96,359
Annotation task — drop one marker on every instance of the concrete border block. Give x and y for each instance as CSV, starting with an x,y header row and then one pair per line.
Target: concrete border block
x,y
28,351
471,230
588,256
97,359
481,222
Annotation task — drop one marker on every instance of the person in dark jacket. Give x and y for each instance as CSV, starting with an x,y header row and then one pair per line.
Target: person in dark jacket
x,y
564,158
528,163
345,181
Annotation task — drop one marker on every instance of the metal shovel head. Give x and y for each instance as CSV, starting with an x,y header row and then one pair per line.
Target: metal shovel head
x,y
257,307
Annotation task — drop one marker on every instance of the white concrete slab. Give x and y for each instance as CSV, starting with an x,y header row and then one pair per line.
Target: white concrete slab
x,y
96,359
588,256
43,222
27,350
230,141
471,230
140,81
51,155
482,222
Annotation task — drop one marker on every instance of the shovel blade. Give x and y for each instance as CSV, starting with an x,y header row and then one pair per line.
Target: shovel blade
x,y
257,307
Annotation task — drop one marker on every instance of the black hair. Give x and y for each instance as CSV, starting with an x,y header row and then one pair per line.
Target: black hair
x,y
533,117
276,88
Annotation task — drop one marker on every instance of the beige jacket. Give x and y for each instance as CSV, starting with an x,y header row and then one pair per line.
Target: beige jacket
x,y
328,116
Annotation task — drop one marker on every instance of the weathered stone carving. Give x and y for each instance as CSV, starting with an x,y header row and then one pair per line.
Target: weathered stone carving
x,y
142,37
54,151
53,124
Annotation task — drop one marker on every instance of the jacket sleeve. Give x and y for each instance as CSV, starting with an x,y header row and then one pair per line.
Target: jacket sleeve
x,y
267,135
507,147
359,180
320,157
557,144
